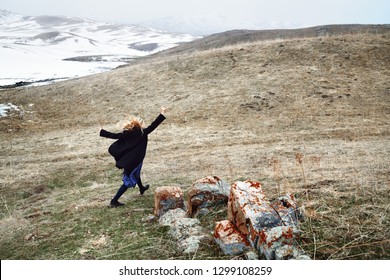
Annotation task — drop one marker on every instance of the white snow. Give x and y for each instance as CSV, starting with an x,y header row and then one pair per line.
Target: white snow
x,y
34,48
208,23
6,108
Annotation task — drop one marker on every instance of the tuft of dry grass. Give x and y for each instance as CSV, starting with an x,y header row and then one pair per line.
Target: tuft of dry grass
x,y
240,112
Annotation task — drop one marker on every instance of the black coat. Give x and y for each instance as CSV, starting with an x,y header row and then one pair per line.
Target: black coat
x,y
131,147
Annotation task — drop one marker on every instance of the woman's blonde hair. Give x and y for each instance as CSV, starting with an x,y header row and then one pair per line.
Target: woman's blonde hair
x,y
134,123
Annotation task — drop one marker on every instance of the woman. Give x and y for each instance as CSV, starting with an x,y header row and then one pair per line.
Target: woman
x,y
129,152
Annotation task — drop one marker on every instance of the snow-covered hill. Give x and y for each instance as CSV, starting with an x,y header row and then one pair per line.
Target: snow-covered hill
x,y
209,23
57,47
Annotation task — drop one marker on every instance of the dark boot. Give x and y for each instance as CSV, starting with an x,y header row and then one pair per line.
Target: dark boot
x,y
142,188
115,203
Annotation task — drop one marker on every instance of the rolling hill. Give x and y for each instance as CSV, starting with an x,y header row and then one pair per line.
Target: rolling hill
x,y
305,115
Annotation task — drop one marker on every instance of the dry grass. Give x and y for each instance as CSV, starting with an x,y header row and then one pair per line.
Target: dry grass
x,y
307,116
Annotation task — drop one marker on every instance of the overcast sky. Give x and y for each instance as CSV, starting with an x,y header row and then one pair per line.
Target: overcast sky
x,y
303,12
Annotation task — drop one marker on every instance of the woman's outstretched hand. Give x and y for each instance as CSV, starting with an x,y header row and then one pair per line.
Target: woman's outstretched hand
x,y
162,110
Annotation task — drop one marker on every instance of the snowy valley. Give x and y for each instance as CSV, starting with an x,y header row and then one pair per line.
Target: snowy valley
x,y
40,49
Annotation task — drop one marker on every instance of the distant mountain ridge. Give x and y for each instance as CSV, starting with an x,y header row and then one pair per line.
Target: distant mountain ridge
x,y
210,23
7,16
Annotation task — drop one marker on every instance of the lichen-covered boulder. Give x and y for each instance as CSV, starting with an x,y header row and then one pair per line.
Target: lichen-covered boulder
x,y
230,240
250,211
189,234
271,239
270,228
167,198
288,210
206,193
168,218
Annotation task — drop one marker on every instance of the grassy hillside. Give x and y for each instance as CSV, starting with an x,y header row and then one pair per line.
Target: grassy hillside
x,y
233,37
307,116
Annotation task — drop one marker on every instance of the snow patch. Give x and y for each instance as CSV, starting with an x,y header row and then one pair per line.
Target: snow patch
x,y
5,109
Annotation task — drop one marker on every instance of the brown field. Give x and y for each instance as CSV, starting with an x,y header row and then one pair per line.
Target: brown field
x,y
308,116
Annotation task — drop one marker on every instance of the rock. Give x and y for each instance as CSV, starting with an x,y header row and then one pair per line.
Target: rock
x,y
290,252
251,256
166,198
288,210
188,233
284,252
230,240
185,227
302,256
269,228
29,236
202,212
149,219
205,193
168,218
249,210
191,244
272,239
170,208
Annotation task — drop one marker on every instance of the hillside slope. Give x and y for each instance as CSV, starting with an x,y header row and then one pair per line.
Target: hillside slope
x,y
233,37
309,116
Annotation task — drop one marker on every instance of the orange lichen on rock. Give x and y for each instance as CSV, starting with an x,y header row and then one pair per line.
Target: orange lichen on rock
x,y
230,240
209,180
205,193
249,209
166,198
273,238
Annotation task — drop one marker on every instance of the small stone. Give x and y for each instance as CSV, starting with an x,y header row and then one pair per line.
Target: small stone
x,y
29,236
149,219
290,252
83,251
